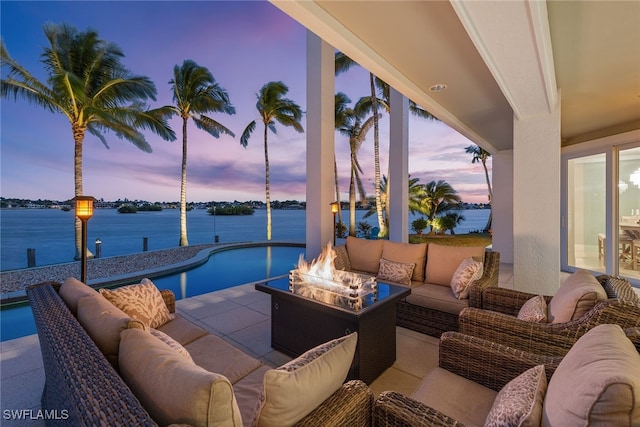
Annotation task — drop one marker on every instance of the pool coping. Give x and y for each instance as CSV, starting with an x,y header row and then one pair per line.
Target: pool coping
x,y
8,299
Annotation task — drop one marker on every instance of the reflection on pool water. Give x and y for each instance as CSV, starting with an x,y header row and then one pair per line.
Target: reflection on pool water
x,y
231,268
223,269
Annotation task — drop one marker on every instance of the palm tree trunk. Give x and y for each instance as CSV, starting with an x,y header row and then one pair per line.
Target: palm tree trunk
x,y
183,187
335,174
376,154
486,176
78,137
266,175
352,202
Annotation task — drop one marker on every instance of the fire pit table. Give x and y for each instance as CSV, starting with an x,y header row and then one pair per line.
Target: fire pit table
x,y
303,320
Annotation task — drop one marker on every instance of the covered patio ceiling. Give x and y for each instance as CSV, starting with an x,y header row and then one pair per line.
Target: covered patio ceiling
x,y
499,60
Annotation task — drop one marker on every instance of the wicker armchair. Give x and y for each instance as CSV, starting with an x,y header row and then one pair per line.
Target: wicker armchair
x,y
496,320
483,362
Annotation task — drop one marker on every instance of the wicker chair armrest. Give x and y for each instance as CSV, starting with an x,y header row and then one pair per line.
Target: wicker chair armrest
x,y
545,338
485,362
489,279
350,405
169,299
507,301
393,409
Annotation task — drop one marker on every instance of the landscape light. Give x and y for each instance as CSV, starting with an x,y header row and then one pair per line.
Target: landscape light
x,y
84,211
335,206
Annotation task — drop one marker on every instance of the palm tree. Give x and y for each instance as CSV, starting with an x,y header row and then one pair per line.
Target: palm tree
x,y
341,103
89,85
273,108
437,197
481,155
343,63
415,194
355,127
196,93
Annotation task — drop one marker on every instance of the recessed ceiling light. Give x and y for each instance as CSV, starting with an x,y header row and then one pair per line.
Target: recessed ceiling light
x,y
438,87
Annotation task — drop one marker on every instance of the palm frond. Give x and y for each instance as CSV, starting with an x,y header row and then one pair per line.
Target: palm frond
x,y
246,133
211,126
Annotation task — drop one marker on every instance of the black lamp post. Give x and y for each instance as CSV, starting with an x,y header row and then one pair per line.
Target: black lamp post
x,y
334,211
84,211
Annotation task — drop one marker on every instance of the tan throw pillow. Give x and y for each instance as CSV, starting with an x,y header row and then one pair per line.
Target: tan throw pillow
x,y
397,272
142,301
519,403
72,290
443,261
468,271
534,310
295,389
597,383
577,295
103,322
172,389
364,255
407,253
175,345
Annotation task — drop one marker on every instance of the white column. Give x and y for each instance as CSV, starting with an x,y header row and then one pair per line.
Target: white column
x,y
502,205
398,189
536,203
320,143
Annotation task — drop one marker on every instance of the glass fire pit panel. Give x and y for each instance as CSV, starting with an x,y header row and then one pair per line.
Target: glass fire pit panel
x,y
352,291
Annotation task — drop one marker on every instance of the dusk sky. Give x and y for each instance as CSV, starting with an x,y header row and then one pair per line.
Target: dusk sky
x,y
244,44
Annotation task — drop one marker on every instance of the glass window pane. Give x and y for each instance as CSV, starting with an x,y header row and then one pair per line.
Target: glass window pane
x,y
629,210
586,204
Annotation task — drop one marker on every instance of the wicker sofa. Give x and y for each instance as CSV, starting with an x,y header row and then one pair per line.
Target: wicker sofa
x,y
93,388
497,319
479,382
432,308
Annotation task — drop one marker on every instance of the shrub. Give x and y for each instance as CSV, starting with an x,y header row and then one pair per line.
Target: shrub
x,y
418,225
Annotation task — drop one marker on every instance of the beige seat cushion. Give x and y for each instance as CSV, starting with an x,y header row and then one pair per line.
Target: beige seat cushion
x,y
216,355
296,388
438,298
408,253
597,383
577,295
103,322
182,330
172,389
364,255
443,261
72,290
456,396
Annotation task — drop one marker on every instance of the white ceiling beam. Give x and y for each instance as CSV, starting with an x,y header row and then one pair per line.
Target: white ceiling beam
x,y
513,39
312,16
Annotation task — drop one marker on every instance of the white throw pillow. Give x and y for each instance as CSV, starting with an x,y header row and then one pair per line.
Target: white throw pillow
x,y
519,403
468,271
534,310
396,272
175,345
295,389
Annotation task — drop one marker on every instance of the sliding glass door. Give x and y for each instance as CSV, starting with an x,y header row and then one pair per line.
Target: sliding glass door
x,y
601,210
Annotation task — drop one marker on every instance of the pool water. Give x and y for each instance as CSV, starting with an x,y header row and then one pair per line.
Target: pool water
x,y
223,269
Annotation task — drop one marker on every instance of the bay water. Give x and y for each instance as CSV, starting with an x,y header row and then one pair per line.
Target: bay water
x,y
51,231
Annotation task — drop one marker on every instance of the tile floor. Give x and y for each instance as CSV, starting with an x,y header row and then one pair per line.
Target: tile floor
x,y
241,315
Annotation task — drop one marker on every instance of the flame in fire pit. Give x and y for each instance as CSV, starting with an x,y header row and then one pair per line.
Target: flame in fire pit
x,y
320,280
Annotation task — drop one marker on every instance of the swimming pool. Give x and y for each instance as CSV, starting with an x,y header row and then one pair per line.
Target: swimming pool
x,y
225,268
